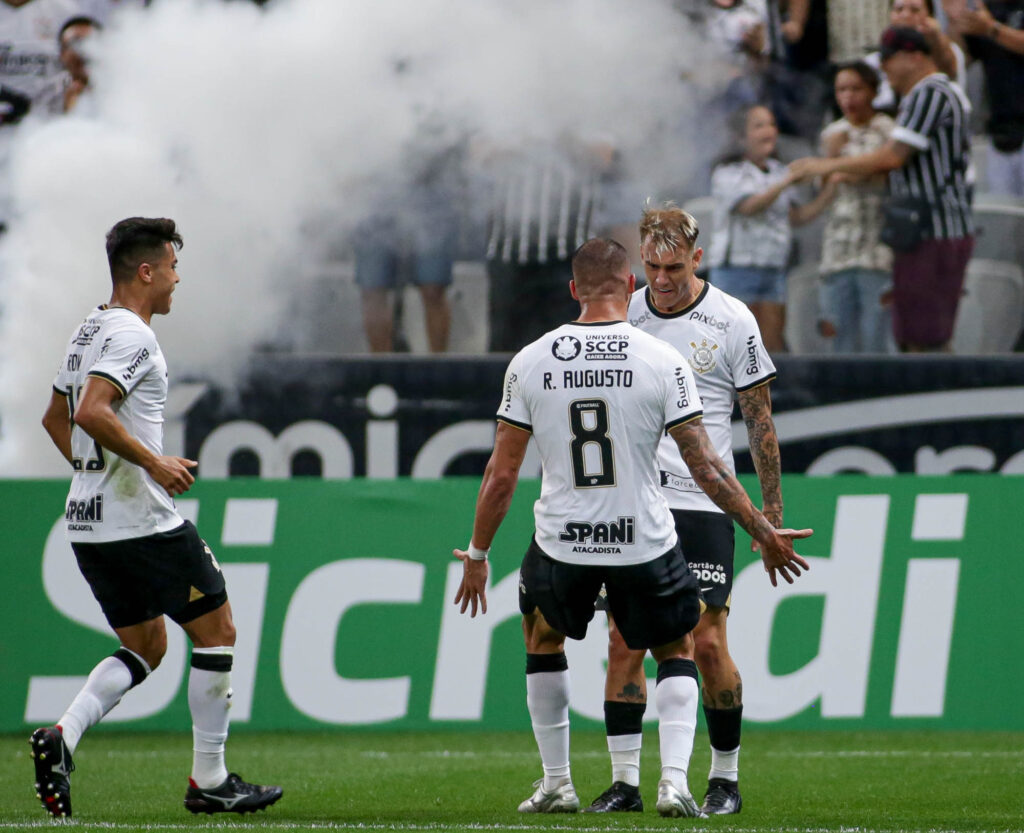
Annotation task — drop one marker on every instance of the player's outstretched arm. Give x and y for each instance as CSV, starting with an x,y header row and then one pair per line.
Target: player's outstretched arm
x,y
756,407
95,415
492,503
721,485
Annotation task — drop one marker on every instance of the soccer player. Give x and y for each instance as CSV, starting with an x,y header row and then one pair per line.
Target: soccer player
x,y
140,558
722,344
597,394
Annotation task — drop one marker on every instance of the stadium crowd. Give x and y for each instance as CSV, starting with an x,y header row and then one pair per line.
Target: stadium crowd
x,y
800,78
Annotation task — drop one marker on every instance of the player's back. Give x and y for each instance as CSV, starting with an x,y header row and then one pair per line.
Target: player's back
x,y
598,398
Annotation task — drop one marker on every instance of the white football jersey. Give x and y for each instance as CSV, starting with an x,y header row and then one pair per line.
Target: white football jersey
x,y
598,399
110,498
719,337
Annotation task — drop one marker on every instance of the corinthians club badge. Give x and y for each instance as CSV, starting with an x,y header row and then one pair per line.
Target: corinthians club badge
x,y
702,360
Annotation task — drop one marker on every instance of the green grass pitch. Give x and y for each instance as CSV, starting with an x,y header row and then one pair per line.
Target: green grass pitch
x,y
858,782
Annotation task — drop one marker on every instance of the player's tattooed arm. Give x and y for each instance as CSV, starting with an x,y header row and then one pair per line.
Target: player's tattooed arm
x,y
756,407
715,479
721,485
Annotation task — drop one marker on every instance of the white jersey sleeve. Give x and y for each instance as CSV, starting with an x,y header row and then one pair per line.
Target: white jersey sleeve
x,y
748,359
126,358
513,408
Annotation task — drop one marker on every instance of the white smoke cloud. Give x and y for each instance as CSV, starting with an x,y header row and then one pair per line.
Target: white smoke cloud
x,y
262,132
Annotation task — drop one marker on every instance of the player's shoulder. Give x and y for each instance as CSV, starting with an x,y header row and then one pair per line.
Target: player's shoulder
x,y
650,347
726,307
124,322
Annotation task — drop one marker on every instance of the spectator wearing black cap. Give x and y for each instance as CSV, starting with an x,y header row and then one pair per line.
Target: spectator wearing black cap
x,y
995,36
926,159
947,54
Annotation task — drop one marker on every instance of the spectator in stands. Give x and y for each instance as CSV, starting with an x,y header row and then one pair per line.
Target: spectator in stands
x,y
753,213
800,87
856,268
947,54
738,28
926,159
75,62
66,89
30,51
547,200
994,35
30,66
410,234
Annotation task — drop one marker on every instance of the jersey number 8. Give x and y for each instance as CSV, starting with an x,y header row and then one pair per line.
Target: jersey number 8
x,y
588,423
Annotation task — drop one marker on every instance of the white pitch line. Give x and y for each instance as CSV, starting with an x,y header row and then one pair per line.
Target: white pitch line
x,y
814,753
450,826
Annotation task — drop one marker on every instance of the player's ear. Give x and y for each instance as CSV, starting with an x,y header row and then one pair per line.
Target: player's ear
x,y
698,253
631,284
572,290
144,272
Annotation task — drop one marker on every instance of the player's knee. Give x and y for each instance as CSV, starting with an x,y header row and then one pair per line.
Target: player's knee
x,y
540,637
227,633
622,657
220,633
711,650
152,649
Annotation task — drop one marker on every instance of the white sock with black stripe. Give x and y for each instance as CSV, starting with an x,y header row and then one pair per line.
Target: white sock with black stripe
x,y
107,684
209,700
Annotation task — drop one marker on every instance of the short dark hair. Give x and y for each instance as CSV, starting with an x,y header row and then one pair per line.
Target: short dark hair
x,y
138,240
597,266
79,20
864,70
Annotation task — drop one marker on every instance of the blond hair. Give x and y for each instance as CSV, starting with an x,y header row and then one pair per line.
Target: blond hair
x,y
667,227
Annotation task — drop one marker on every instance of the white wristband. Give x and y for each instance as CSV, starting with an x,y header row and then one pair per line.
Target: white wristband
x,y
476,553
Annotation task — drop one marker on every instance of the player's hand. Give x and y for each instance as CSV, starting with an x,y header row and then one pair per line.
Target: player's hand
x,y
779,557
173,473
774,517
473,587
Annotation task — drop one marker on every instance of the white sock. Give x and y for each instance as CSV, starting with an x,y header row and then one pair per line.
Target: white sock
x,y
106,685
677,723
547,698
209,700
725,765
625,754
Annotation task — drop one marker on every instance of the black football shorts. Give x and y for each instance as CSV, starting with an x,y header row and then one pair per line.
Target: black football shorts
x,y
138,579
654,603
